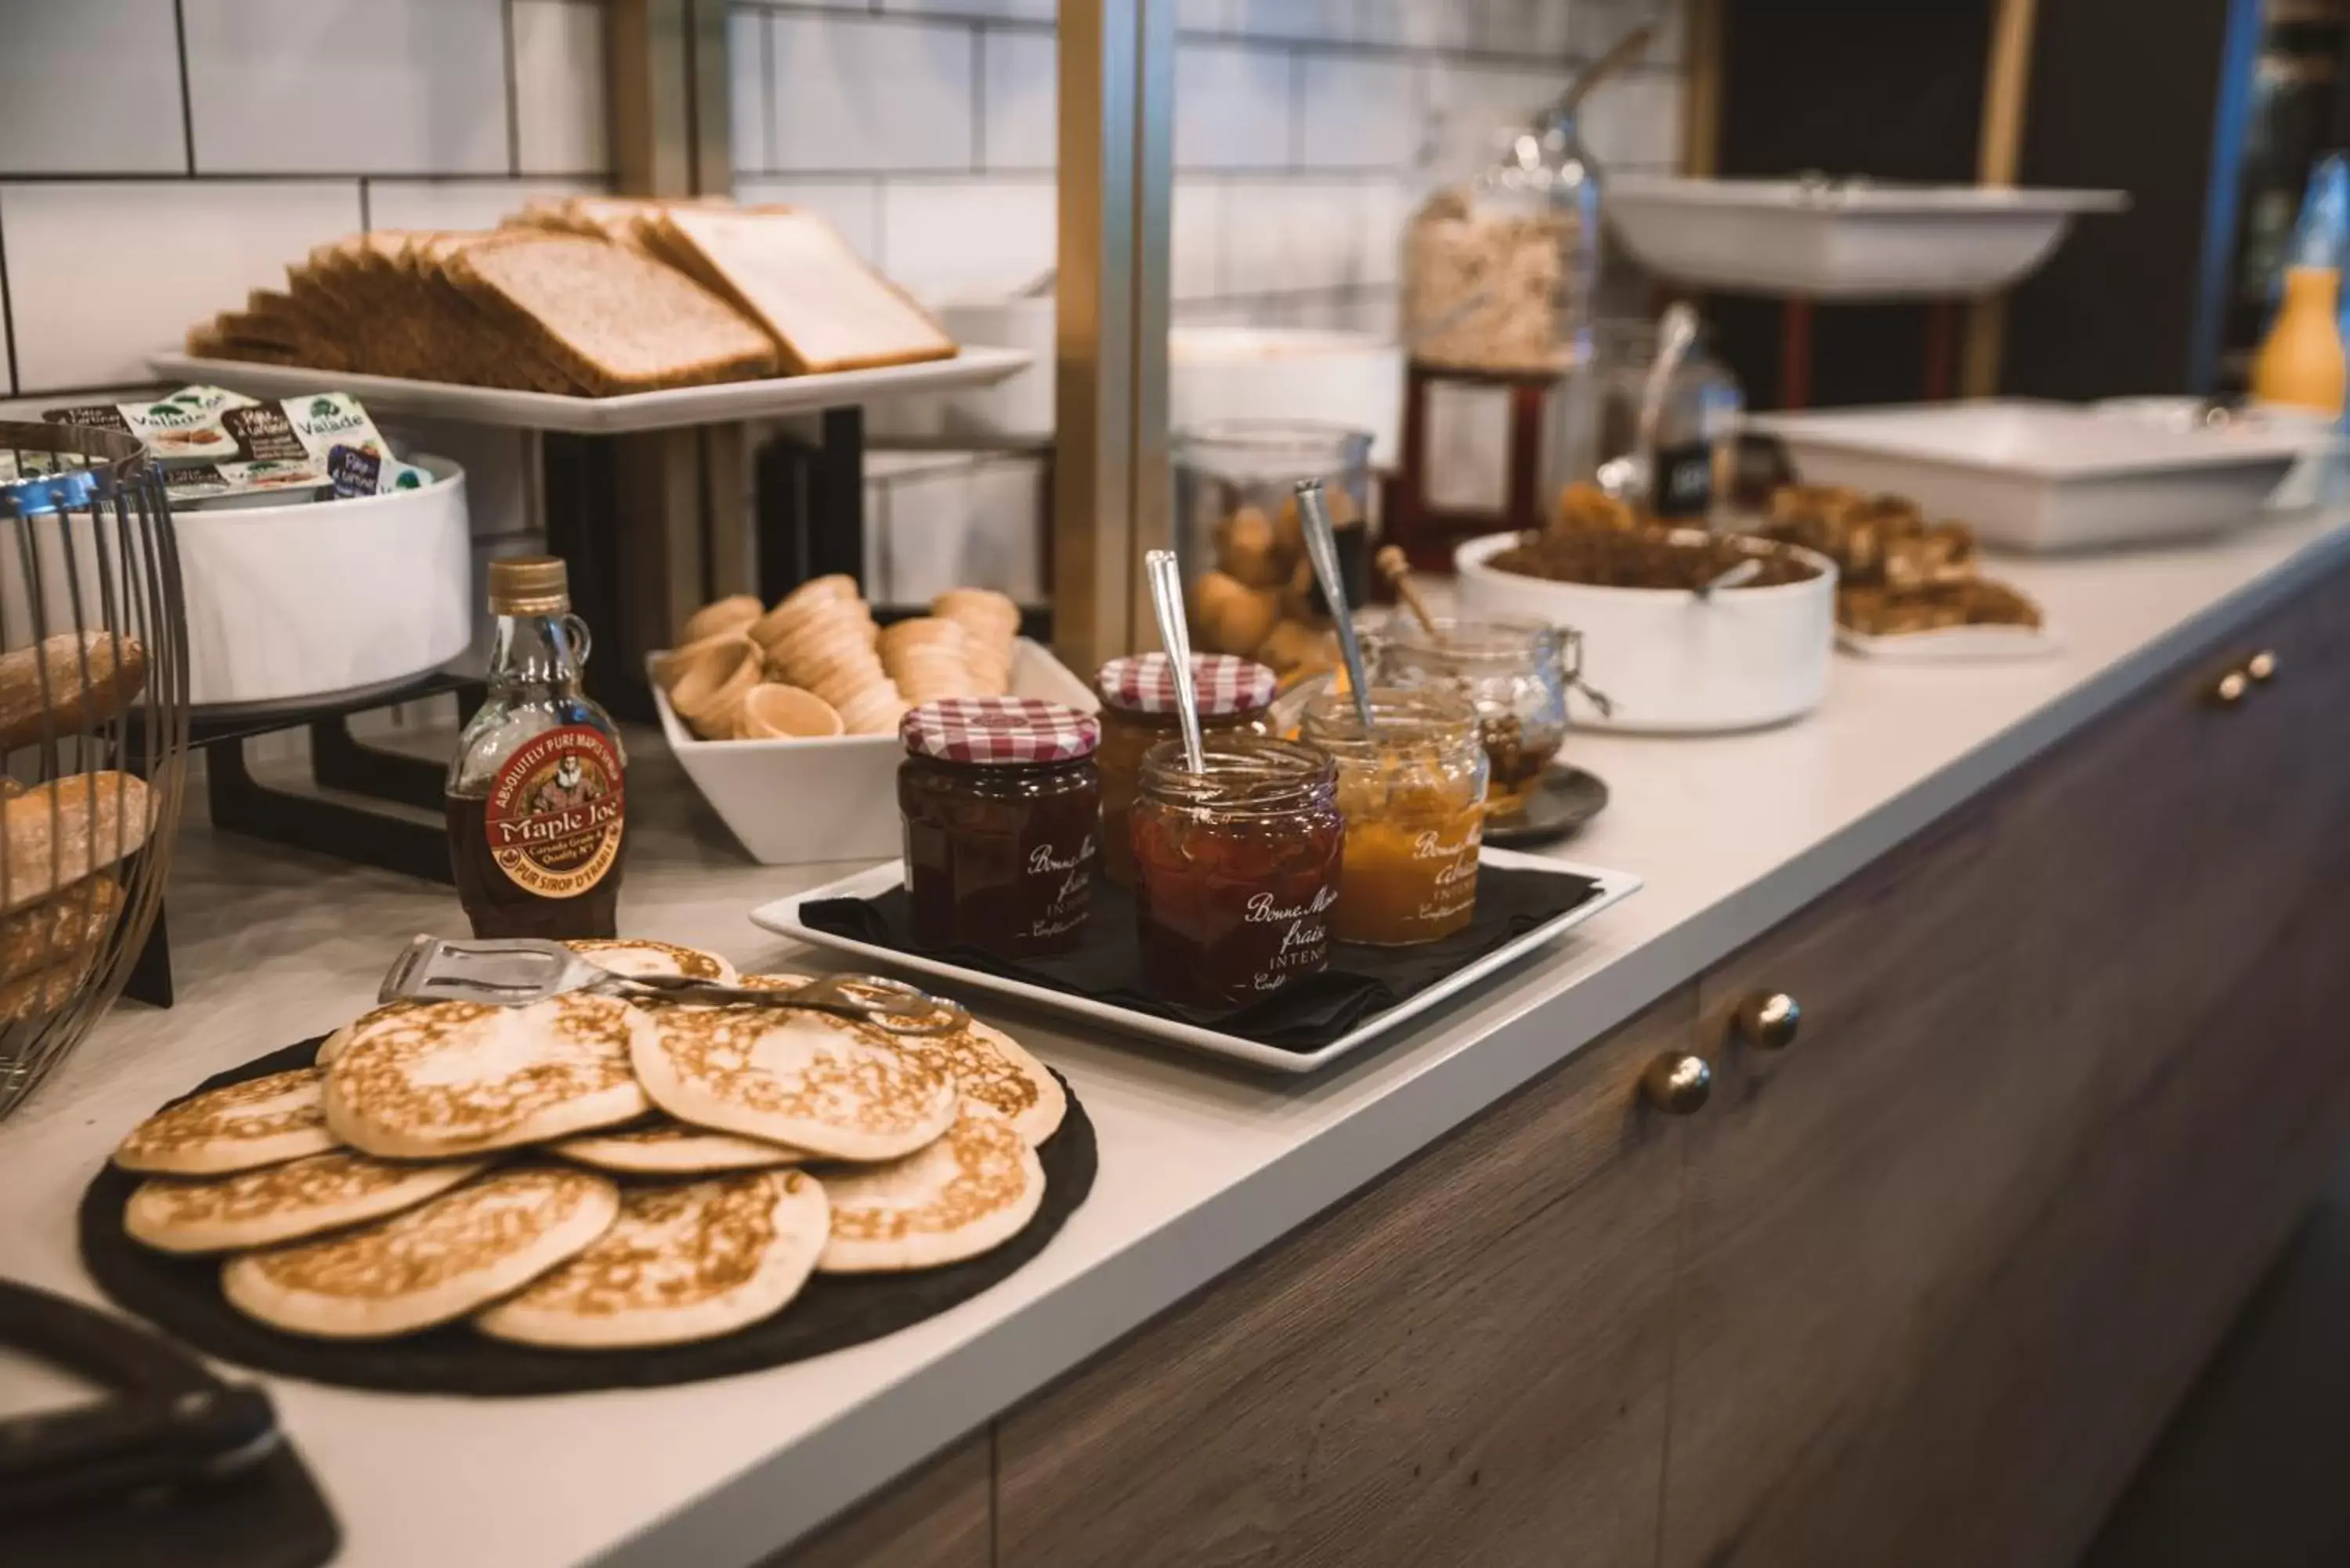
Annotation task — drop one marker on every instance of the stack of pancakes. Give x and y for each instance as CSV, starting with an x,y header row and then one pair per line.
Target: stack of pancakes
x,y
593,1172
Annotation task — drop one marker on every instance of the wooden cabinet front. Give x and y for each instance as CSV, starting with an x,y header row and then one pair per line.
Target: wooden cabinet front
x,y
1467,1364
940,1516
2067,1068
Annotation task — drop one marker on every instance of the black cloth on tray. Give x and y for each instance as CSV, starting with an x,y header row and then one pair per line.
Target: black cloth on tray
x,y
1303,1015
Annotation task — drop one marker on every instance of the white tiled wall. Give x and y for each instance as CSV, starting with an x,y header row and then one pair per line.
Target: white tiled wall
x,y
1305,131
158,157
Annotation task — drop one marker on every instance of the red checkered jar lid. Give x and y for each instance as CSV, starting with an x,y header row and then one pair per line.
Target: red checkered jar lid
x,y
1145,684
999,732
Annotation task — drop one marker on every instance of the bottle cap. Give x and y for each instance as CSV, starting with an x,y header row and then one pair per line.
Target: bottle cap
x,y
529,584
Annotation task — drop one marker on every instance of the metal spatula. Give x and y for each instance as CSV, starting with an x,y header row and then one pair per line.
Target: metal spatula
x,y
514,972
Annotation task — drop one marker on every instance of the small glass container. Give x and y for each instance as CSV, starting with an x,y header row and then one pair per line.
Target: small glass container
x,y
1237,868
1137,695
1515,673
1413,795
1001,806
1697,427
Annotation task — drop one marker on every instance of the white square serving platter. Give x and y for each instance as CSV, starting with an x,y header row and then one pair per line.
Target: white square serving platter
x,y
783,917
2033,475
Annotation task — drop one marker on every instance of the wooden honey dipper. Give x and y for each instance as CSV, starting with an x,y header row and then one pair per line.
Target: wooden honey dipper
x,y
1392,565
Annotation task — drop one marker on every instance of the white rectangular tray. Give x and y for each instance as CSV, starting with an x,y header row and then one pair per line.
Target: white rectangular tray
x,y
793,801
2044,476
675,408
782,917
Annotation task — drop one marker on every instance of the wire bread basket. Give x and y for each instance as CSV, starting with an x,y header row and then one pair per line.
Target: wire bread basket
x,y
93,731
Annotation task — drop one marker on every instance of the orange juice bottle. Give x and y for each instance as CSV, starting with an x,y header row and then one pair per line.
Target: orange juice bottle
x,y
2301,361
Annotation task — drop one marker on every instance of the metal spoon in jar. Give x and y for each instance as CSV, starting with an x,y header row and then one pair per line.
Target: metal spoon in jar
x,y
1167,603
1322,549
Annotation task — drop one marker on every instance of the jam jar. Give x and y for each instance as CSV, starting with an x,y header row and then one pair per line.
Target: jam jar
x,y
1413,795
1001,809
1236,868
1516,674
1137,695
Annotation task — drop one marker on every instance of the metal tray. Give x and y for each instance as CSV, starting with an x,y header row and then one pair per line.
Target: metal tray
x,y
782,917
676,408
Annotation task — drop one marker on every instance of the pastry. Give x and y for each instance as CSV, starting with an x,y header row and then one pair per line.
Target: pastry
x,y
967,1193
50,934
441,1259
262,1121
709,690
430,1080
930,657
774,712
283,1202
991,1067
800,1078
682,1261
66,684
667,1146
736,612
95,818
634,955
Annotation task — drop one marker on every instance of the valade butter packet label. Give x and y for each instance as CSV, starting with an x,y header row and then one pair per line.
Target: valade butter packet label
x,y
180,427
353,471
304,429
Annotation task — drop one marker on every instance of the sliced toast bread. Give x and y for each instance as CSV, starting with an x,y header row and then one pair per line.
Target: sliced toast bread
x,y
614,320
789,271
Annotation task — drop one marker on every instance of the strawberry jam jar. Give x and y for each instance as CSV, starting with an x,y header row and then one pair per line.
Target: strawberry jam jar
x,y
1236,868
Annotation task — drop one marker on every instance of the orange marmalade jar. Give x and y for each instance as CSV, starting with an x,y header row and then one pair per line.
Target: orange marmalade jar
x,y
1413,795
1138,712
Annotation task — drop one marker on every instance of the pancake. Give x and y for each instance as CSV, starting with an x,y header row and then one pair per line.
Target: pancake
x,y
262,1121
283,1202
990,1066
448,1256
628,955
684,1260
669,1147
966,1194
801,1078
431,1080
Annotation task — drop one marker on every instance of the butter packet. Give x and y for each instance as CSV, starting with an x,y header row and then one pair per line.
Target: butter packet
x,y
182,427
262,483
303,430
354,471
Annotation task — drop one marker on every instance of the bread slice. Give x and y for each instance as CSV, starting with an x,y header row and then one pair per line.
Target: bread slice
x,y
459,341
614,320
791,274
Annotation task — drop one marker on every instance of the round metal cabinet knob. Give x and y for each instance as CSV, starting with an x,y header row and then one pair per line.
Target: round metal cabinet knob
x,y
1677,1082
1767,1021
2262,665
2232,687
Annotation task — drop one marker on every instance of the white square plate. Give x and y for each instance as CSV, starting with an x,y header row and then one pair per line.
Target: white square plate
x,y
2045,476
782,917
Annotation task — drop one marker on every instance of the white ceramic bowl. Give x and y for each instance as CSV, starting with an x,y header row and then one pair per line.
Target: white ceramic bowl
x,y
1668,662
795,802
294,604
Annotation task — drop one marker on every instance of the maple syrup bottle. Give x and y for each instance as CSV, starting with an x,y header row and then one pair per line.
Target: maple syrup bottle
x,y
536,811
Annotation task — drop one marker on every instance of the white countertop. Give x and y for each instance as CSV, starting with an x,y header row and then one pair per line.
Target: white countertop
x,y
1199,1166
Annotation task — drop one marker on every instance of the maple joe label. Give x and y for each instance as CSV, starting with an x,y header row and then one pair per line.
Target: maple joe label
x,y
555,809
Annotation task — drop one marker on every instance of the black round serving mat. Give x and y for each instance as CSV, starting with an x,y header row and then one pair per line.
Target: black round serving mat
x,y
182,1296
1564,800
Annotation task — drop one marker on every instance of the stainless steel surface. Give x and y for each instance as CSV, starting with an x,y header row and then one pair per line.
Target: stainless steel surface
x,y
1321,547
1768,1021
89,564
514,972
1167,602
1111,480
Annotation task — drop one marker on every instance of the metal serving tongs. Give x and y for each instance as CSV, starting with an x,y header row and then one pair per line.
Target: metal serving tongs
x,y
514,972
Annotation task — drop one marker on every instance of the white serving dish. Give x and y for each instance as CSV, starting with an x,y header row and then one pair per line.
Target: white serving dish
x,y
2045,476
673,408
1350,379
793,802
1843,240
288,603
2316,480
782,917
1668,661
1353,380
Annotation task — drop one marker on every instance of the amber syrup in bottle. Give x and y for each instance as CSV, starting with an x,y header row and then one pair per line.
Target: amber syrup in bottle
x,y
537,810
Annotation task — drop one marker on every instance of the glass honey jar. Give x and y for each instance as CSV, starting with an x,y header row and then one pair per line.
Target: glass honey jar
x,y
1236,868
1413,792
1137,695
